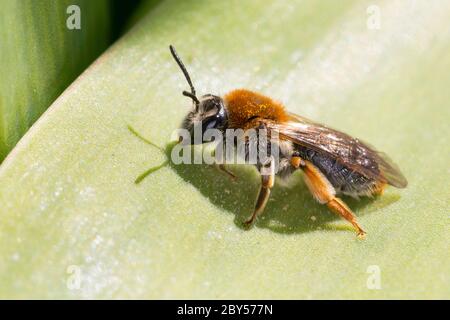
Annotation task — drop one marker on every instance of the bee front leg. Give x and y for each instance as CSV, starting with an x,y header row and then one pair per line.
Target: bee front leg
x,y
222,167
267,181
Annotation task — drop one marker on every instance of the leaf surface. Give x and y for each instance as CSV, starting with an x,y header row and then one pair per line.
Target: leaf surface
x,y
67,192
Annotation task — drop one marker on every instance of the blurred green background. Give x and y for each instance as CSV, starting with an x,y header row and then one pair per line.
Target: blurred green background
x,y
40,56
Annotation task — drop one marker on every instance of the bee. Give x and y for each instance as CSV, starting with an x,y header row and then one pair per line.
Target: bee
x,y
333,163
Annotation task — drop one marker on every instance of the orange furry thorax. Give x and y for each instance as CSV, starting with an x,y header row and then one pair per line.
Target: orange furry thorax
x,y
245,105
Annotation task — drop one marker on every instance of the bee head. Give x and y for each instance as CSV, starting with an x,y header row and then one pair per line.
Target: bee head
x,y
208,113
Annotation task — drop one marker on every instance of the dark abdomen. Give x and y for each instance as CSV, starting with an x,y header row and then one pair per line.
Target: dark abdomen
x,y
343,179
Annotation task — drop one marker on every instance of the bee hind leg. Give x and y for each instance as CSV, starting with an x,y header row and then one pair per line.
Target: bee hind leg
x,y
338,206
267,181
324,193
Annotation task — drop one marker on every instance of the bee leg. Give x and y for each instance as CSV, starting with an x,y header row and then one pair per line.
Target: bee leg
x,y
338,206
378,190
222,167
297,161
324,193
267,180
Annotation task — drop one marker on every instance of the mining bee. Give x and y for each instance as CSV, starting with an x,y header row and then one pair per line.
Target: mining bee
x,y
332,162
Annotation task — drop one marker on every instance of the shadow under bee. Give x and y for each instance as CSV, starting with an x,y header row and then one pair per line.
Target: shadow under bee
x,y
290,210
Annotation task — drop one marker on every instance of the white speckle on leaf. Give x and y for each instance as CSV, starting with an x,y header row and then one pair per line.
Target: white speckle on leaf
x,y
87,192
58,190
98,240
214,235
296,56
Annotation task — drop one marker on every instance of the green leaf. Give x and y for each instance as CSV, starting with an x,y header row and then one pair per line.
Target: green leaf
x,y
40,56
69,204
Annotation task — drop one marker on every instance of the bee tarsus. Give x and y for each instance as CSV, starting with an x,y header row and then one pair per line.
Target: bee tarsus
x,y
222,168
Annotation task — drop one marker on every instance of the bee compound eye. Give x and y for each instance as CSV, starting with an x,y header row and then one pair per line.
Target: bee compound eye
x,y
210,124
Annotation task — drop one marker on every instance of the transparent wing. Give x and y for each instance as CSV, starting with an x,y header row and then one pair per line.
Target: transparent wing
x,y
351,152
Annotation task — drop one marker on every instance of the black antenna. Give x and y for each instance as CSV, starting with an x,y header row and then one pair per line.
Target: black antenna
x,y
186,75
